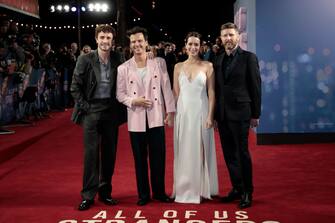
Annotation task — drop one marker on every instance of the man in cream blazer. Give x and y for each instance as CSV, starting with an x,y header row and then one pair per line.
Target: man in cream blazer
x,y
143,85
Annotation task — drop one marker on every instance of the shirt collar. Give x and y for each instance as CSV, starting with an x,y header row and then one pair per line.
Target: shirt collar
x,y
233,52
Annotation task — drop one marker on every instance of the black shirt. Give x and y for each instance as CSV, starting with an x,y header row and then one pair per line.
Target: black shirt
x,y
227,62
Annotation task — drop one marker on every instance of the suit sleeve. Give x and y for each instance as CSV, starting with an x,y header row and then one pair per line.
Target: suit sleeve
x,y
254,85
78,84
121,87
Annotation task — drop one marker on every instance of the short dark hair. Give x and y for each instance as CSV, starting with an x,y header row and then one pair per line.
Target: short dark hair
x,y
104,28
229,25
193,34
138,29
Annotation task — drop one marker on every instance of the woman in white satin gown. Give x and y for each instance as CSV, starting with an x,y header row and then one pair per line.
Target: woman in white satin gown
x,y
195,170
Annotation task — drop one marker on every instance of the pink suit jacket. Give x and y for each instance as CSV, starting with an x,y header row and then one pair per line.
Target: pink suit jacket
x,y
155,87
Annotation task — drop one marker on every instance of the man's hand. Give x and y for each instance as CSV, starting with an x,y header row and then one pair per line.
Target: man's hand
x,y
141,101
169,119
83,106
254,122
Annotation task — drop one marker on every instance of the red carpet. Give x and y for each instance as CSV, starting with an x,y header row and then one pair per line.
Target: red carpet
x,y
41,170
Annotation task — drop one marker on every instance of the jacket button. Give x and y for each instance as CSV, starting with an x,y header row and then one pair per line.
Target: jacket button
x,y
154,88
155,99
131,82
134,92
155,76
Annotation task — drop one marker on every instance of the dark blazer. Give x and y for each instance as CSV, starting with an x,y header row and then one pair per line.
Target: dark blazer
x,y
84,81
238,95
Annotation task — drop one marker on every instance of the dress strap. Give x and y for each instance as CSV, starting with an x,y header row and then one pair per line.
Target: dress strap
x,y
182,68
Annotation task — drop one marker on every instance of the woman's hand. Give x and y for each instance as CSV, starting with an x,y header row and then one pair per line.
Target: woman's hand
x,y
209,123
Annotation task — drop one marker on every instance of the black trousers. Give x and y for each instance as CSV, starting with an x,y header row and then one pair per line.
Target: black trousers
x,y
234,141
100,141
150,143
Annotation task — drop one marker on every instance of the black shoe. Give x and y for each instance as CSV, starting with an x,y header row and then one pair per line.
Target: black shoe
x,y
163,198
232,196
245,201
6,131
142,202
85,204
108,200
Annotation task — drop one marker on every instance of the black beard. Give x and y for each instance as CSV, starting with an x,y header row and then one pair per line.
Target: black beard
x,y
230,46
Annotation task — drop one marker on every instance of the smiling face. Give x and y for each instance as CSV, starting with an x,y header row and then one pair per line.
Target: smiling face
x,y
104,41
230,38
138,44
192,46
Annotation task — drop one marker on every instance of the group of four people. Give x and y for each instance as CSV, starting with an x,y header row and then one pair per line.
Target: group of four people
x,y
224,95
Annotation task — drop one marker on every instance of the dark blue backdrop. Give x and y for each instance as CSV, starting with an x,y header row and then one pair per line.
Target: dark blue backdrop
x,y
296,48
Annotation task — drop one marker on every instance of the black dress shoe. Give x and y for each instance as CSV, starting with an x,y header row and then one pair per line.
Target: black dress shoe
x,y
142,202
163,198
108,200
245,201
85,204
232,196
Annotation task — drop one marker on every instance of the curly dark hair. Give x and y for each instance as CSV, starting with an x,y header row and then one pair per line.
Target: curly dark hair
x,y
138,29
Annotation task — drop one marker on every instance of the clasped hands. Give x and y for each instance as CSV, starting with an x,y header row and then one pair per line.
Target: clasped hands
x,y
142,102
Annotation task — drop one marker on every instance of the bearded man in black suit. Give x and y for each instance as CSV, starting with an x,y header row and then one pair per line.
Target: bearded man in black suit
x,y
238,107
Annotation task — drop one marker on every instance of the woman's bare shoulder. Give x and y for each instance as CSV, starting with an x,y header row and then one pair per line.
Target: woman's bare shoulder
x,y
207,63
177,66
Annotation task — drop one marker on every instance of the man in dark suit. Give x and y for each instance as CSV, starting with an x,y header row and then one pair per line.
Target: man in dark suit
x,y
93,89
238,105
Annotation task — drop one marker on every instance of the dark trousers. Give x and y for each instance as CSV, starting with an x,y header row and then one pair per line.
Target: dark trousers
x,y
234,141
152,143
100,140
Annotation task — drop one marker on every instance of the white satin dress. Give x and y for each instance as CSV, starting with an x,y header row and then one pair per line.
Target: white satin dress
x,y
195,169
